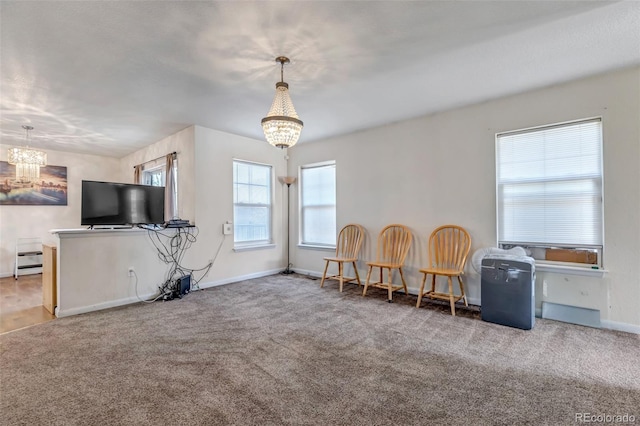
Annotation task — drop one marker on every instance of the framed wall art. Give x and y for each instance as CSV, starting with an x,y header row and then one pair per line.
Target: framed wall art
x,y
47,189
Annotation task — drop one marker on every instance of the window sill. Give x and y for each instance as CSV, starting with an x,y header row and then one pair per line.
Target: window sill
x,y
312,247
254,247
570,270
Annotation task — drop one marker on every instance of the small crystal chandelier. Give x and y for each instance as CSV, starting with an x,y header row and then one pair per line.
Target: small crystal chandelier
x,y
282,126
27,161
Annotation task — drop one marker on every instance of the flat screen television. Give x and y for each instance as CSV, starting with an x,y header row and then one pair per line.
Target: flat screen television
x,y
109,203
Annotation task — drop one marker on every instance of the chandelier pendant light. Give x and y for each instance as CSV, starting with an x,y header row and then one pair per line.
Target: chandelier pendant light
x,y
27,161
282,126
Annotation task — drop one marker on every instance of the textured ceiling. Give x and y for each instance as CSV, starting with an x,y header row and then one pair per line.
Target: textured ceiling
x,y
110,77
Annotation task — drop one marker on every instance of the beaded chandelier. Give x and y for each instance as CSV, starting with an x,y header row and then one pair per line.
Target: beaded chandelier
x,y
27,161
282,126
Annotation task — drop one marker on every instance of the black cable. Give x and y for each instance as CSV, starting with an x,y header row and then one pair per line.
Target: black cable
x,y
172,253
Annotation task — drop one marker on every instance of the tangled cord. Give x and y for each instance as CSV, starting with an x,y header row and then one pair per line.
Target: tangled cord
x,y
172,253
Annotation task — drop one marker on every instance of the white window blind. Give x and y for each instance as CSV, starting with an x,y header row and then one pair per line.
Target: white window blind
x,y
318,204
549,185
251,203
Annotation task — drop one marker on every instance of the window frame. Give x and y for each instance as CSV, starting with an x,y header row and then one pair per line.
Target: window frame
x,y
251,244
301,215
539,250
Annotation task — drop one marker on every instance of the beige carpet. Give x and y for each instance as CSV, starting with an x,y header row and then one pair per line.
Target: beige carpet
x,y
281,351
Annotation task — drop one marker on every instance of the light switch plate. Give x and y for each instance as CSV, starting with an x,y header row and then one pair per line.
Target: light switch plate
x,y
227,228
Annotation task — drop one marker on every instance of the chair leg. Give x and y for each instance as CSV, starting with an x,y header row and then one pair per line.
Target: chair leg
x,y
355,269
324,274
390,286
464,296
340,274
433,283
366,284
404,284
451,301
420,293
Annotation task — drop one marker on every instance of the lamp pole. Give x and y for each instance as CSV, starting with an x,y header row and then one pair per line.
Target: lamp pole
x,y
288,181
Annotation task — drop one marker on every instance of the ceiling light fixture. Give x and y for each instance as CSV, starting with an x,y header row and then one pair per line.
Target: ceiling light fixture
x,y
27,161
282,126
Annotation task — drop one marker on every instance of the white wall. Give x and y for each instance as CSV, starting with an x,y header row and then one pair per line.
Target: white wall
x,y
36,221
205,195
214,155
440,169
182,143
93,269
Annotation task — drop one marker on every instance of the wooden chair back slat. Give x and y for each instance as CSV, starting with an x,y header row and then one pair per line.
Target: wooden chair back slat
x,y
349,241
449,247
394,242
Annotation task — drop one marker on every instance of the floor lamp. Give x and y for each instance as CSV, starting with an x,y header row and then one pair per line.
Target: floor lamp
x,y
288,180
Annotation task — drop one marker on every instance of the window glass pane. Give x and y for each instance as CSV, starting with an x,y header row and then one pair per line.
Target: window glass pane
x,y
251,223
252,202
319,186
259,194
153,177
549,186
320,225
241,172
260,175
158,179
242,193
318,204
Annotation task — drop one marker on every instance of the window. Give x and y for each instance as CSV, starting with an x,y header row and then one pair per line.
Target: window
x,y
156,175
549,192
318,204
252,203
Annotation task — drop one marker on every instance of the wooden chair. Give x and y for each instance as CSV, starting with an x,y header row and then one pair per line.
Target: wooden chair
x,y
394,242
347,249
448,249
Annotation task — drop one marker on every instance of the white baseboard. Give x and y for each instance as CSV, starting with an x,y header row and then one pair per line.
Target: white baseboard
x,y
231,280
620,326
307,272
609,325
60,313
412,291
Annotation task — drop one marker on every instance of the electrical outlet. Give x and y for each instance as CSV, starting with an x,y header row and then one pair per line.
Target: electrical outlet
x,y
227,228
131,271
544,288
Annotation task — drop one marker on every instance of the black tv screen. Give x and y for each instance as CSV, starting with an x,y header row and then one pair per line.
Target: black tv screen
x,y
108,203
